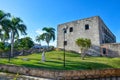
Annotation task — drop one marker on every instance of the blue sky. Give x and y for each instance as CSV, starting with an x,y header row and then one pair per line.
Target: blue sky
x,y
37,14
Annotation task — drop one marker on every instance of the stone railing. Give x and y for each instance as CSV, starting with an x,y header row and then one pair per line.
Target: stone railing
x,y
60,74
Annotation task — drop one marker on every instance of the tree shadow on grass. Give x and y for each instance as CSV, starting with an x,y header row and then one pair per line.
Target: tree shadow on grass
x,y
70,65
86,65
44,66
56,62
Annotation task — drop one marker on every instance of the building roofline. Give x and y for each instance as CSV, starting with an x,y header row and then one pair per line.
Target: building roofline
x,y
85,19
106,26
77,20
110,43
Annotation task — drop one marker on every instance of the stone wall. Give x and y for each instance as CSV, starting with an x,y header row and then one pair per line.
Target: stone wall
x,y
79,32
11,76
112,49
55,74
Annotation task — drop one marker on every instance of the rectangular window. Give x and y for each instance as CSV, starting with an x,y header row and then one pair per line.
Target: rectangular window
x,y
104,50
71,29
86,27
65,43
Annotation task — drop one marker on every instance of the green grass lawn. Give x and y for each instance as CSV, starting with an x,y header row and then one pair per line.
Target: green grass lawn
x,y
54,60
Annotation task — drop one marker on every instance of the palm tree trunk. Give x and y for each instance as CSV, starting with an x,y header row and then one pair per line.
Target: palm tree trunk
x,y
12,43
82,53
40,43
48,46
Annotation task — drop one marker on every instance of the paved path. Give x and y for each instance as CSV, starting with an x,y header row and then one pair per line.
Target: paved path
x,y
8,76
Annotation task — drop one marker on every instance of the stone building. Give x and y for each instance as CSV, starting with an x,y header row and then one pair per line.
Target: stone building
x,y
92,28
111,49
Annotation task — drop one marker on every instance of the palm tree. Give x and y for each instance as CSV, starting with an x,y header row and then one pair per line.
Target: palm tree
x,y
39,38
49,34
15,26
4,35
3,15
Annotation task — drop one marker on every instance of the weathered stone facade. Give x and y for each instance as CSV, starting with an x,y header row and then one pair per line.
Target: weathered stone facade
x,y
111,49
92,28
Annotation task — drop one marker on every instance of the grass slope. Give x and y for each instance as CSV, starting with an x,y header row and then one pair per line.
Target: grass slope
x,y
54,60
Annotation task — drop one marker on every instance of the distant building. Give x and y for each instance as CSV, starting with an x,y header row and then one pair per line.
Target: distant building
x,y
39,46
92,28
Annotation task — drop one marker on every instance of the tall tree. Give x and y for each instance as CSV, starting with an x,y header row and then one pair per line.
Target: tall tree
x,y
4,32
23,43
49,34
84,44
16,26
2,47
3,15
39,38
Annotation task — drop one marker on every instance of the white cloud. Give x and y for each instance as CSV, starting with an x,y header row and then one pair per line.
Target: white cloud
x,y
53,43
43,43
39,31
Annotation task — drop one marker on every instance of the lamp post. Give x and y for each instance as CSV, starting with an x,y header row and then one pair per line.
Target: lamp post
x,y
64,31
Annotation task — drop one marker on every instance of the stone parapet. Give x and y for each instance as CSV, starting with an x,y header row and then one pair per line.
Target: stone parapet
x,y
58,74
